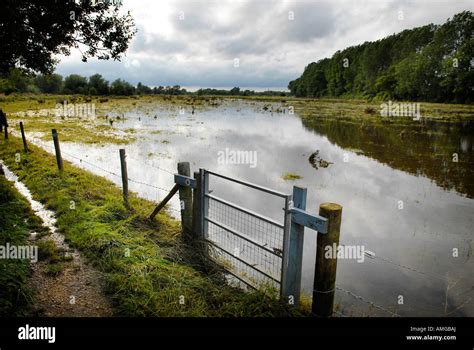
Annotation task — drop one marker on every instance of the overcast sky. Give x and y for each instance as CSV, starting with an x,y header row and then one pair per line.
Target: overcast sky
x,y
259,43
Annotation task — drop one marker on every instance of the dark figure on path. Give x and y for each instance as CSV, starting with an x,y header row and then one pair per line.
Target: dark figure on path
x,y
3,120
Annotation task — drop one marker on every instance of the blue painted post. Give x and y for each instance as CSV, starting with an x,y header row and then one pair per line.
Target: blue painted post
x,y
292,287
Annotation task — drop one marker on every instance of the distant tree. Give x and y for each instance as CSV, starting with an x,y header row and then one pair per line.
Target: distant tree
x,y
49,83
431,63
143,89
32,32
75,84
98,85
235,91
17,81
122,88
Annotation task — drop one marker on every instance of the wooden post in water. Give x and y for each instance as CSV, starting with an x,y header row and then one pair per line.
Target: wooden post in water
x,y
123,166
292,283
325,272
59,158
25,146
197,229
186,202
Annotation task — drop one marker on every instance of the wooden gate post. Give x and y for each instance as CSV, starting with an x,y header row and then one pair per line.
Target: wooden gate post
x,y
123,166
292,282
25,146
59,158
325,271
186,202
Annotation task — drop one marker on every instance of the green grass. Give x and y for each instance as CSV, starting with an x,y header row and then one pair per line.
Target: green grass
x,y
291,176
146,266
55,269
17,220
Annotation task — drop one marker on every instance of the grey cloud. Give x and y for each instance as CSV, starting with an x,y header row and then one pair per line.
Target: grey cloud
x,y
272,49
311,20
148,42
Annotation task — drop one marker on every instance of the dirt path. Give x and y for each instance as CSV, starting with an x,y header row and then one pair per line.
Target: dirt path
x,y
75,289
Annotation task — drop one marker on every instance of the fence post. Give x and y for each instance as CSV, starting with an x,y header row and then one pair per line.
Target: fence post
x,y
325,271
59,158
6,132
123,166
197,207
186,202
292,283
25,146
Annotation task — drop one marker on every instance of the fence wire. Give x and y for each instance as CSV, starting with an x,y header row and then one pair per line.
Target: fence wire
x,y
252,264
254,253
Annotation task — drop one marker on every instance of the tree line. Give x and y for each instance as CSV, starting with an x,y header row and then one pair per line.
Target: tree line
x,y
17,81
96,85
430,63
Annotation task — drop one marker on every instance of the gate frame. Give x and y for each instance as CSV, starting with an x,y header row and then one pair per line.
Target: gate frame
x,y
204,193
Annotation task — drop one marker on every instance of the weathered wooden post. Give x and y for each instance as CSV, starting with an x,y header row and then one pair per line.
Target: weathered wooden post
x,y
123,166
25,146
292,283
325,271
186,202
197,229
59,158
6,132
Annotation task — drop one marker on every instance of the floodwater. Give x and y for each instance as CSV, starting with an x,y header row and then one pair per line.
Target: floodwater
x,y
407,200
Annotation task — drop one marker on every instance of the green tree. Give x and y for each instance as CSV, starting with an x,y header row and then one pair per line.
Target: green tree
x,y
75,84
122,88
98,85
49,83
143,89
431,63
32,32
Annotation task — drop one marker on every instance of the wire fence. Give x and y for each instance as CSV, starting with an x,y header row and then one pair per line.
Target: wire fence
x,y
119,176
239,256
247,245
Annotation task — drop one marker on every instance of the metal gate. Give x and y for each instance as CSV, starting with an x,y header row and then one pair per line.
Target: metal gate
x,y
250,246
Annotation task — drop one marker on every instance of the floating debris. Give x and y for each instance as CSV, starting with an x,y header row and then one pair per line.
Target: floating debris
x,y
316,161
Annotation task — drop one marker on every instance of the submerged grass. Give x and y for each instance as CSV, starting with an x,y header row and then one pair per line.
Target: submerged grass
x,y
17,220
148,270
291,176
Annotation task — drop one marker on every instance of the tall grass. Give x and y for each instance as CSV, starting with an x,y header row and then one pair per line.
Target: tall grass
x,y
147,268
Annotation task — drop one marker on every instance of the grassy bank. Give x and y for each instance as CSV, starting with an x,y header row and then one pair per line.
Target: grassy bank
x,y
17,221
148,271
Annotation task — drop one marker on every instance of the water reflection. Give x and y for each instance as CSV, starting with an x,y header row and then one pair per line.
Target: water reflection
x,y
375,168
441,151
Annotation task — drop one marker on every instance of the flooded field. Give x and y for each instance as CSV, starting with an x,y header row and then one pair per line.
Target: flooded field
x,y
406,187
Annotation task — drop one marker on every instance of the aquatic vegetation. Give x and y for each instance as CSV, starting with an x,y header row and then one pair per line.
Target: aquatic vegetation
x,y
291,176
